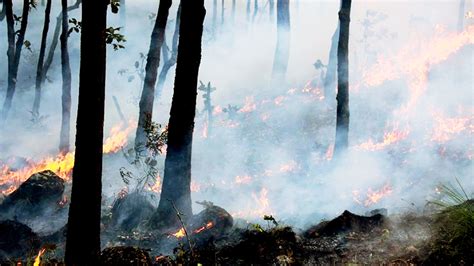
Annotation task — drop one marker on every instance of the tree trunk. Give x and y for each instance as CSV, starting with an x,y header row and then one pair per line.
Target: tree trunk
x,y
342,119
282,52
214,18
66,75
248,10
123,14
255,10
14,52
172,60
233,11
54,42
3,12
222,12
39,69
329,82
83,234
176,190
151,72
462,4
272,9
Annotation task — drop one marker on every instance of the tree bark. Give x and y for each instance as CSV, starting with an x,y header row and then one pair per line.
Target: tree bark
x,y
123,14
172,59
83,234
3,12
342,119
151,72
54,42
14,52
255,10
39,69
462,4
222,12
329,81
271,9
248,10
176,188
66,86
282,52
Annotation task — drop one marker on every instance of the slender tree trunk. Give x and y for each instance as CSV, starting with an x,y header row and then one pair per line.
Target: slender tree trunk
x,y
172,59
248,10
342,119
14,53
233,11
329,81
176,190
151,72
123,14
3,12
282,52
83,234
271,9
54,42
462,5
255,10
214,18
39,69
66,75
222,12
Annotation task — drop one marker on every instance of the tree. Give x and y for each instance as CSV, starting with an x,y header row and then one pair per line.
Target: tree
x,y
151,72
342,119
55,40
214,18
66,86
14,51
282,52
3,11
222,12
83,233
123,14
176,189
255,10
233,11
171,60
39,69
271,7
462,4
329,81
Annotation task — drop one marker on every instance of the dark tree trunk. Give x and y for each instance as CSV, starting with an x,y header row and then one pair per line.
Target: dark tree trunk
x,y
3,12
329,82
66,74
151,72
54,42
176,188
272,9
172,59
248,10
39,69
233,11
282,52
14,52
462,5
342,119
123,14
83,234
214,18
255,10
222,12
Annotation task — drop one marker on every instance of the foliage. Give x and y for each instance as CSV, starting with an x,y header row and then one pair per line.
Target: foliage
x,y
76,26
113,37
114,6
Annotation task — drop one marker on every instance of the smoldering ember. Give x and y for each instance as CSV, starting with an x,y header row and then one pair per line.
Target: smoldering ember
x,y
236,132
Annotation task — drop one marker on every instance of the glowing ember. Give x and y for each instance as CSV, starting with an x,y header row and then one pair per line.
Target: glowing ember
x,y
447,127
289,167
389,138
38,258
202,228
372,196
249,105
180,233
246,179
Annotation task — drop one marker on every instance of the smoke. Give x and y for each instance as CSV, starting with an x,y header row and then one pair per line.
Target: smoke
x,y
274,155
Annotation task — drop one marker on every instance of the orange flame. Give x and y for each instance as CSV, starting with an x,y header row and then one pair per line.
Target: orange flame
x,y
372,196
38,258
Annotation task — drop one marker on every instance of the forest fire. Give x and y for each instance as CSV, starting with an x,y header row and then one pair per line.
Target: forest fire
x,y
61,164
38,257
372,196
182,232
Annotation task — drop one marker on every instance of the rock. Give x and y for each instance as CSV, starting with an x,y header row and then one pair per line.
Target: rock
x,y
381,211
124,256
129,211
213,221
345,223
41,190
16,240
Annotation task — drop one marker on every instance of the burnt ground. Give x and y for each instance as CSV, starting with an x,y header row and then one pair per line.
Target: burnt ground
x,y
435,237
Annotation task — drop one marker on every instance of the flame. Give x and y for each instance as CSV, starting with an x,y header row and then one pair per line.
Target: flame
x,y
205,129
246,179
389,138
414,62
372,196
180,233
249,105
38,258
202,228
61,164
289,167
447,127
